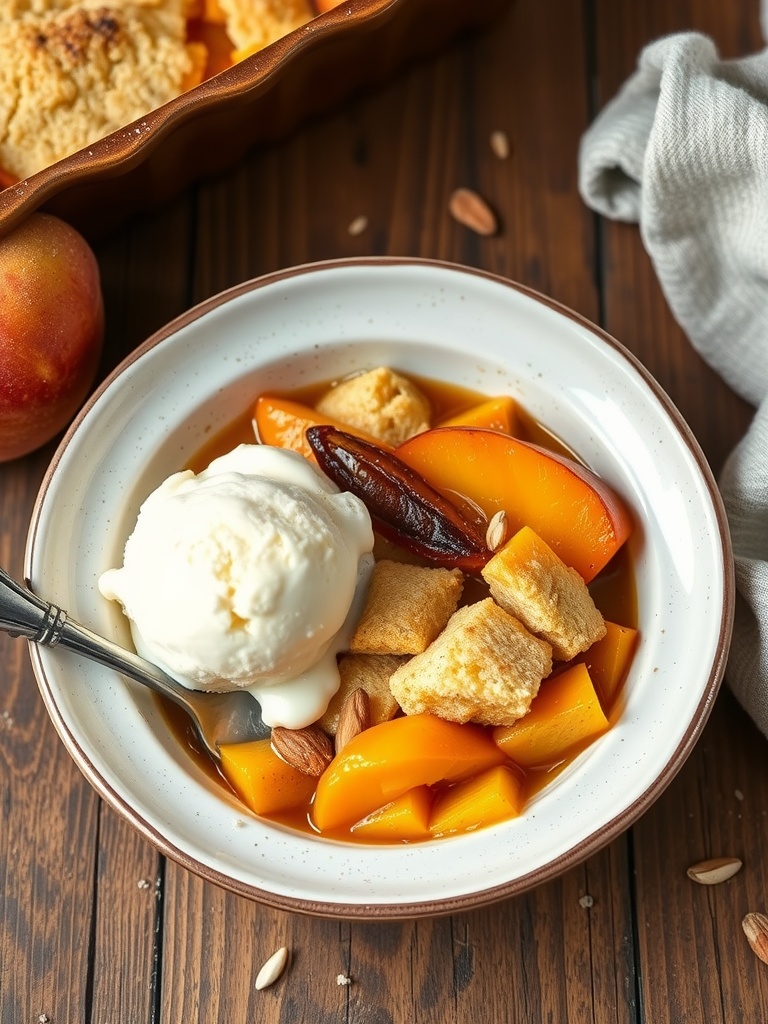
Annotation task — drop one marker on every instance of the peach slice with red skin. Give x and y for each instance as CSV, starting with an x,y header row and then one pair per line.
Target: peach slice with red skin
x,y
581,518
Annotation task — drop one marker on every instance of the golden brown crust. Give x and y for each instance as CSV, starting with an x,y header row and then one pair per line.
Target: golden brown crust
x,y
532,583
406,608
69,76
379,402
370,672
484,667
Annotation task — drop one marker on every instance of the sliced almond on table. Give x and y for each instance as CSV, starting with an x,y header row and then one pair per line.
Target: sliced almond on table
x,y
272,969
354,717
471,210
756,929
714,870
308,750
358,225
499,144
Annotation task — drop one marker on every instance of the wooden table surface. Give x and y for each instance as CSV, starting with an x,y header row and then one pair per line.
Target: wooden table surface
x,y
82,939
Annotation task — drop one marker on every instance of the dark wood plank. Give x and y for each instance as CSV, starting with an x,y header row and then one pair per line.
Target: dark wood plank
x,y
49,818
694,963
127,931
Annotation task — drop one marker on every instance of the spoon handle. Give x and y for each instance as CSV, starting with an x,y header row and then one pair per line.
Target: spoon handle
x,y
23,613
217,717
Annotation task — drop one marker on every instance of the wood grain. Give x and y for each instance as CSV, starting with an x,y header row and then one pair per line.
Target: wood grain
x,y
624,938
49,820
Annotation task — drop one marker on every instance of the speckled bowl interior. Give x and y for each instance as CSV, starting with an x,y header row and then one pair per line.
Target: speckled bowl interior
x,y
436,320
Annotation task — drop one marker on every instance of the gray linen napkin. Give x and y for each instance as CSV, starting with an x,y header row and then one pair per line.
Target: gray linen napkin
x,y
683,151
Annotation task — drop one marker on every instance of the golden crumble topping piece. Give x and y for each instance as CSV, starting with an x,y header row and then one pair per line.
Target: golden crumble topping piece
x,y
531,582
484,667
369,672
380,402
70,75
406,608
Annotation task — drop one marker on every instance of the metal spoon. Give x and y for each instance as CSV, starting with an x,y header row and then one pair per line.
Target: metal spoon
x,y
217,717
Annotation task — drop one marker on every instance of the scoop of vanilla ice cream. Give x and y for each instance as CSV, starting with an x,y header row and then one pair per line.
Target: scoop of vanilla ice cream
x,y
245,575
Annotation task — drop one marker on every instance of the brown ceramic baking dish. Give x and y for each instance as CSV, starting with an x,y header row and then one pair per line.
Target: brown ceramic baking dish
x,y
356,45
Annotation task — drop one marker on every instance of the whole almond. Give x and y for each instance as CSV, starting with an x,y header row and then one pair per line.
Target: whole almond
x,y
469,209
756,929
354,717
715,870
496,533
500,144
308,750
272,969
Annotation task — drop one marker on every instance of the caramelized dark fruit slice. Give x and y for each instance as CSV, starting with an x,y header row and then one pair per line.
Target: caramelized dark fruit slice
x,y
403,506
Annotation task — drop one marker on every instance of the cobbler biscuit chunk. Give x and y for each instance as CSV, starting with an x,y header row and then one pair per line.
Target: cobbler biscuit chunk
x,y
369,672
72,75
253,24
380,402
406,608
531,582
18,9
484,667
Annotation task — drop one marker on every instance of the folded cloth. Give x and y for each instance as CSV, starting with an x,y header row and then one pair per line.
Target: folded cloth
x,y
683,151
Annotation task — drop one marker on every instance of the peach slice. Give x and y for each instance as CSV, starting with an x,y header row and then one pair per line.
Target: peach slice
x,y
384,762
494,795
282,422
608,660
262,780
404,819
565,715
582,519
495,414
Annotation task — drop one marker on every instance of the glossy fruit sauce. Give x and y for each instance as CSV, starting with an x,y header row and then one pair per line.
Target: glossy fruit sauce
x,y
613,590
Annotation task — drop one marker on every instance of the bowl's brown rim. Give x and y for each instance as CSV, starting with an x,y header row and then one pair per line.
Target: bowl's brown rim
x,y
483,897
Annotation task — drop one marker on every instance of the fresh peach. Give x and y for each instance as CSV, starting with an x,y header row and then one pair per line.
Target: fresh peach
x,y
51,330
582,519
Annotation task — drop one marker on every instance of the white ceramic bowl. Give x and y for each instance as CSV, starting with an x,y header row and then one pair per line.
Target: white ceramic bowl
x,y
437,320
